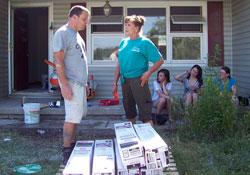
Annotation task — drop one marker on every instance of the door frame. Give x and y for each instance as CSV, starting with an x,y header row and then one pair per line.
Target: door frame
x,y
11,7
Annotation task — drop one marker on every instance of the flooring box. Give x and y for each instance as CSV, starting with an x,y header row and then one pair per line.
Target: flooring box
x,y
120,168
129,145
156,150
128,142
104,158
80,161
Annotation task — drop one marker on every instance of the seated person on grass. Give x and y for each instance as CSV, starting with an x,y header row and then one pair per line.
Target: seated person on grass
x,y
162,88
226,82
192,83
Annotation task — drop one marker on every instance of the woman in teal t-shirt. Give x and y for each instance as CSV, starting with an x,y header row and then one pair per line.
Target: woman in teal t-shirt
x,y
134,55
227,82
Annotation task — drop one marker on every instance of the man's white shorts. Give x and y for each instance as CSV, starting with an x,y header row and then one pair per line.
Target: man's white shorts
x,y
77,107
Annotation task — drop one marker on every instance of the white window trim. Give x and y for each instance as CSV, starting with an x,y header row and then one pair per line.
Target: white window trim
x,y
203,36
169,35
187,19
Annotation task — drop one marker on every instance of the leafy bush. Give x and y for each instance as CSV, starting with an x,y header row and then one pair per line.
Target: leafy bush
x,y
214,115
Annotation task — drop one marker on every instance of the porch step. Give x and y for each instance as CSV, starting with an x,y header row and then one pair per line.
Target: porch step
x,y
10,108
87,129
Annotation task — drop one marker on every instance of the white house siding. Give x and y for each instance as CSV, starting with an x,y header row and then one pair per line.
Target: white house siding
x,y
241,45
3,48
227,19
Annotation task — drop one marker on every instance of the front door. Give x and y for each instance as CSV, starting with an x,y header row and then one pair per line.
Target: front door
x,y
20,50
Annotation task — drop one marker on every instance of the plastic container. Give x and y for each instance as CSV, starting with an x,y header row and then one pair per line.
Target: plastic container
x,y
27,169
31,113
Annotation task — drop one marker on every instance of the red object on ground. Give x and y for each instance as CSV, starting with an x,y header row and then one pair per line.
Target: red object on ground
x,y
115,95
108,102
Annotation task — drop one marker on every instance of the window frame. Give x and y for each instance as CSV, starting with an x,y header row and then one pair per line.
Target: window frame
x,y
202,35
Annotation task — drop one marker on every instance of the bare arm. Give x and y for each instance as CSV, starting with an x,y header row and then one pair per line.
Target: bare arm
x,y
162,94
234,90
117,75
146,75
179,76
60,69
166,92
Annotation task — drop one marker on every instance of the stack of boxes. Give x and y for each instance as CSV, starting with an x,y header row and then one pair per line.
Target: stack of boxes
x,y
139,149
152,151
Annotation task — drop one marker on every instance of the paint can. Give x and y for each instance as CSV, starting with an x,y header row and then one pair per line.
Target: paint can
x,y
31,113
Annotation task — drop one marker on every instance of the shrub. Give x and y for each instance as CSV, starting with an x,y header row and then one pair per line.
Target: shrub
x,y
214,115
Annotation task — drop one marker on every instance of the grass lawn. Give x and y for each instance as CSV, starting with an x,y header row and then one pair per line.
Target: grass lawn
x,y
226,157
229,156
16,150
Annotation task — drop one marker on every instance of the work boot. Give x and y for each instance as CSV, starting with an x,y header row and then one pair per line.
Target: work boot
x,y
154,118
66,154
72,146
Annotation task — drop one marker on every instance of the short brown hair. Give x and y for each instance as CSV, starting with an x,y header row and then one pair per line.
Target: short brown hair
x,y
77,10
137,20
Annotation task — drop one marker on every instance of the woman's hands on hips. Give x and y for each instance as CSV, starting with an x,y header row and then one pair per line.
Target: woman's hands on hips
x,y
144,78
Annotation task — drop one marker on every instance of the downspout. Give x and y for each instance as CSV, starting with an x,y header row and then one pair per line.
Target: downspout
x,y
9,51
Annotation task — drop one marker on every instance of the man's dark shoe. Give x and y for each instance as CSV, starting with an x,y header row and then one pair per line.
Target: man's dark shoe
x,y
66,154
72,146
154,118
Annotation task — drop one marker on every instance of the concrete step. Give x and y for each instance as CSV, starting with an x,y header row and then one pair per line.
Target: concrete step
x,y
10,108
87,129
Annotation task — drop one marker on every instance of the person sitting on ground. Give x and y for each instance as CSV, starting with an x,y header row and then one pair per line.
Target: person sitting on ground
x,y
161,99
228,83
193,84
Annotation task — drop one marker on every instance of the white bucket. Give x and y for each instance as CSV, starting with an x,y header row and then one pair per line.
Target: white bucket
x,y
31,113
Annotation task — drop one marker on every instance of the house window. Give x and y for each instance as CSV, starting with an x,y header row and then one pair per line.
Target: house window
x,y
185,11
104,45
186,48
186,31
155,26
106,32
